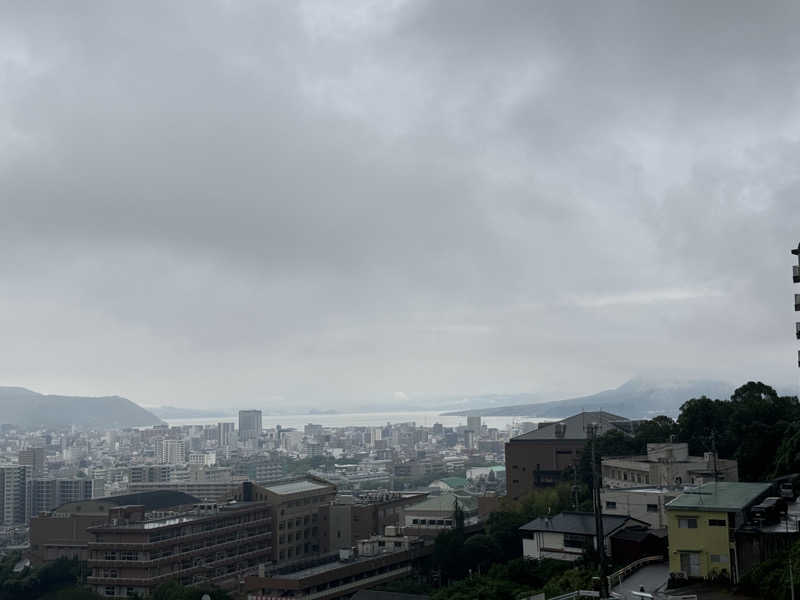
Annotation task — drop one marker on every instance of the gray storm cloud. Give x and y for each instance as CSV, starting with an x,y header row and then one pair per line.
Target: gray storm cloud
x,y
327,202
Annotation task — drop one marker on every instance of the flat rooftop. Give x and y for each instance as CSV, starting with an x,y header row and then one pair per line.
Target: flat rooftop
x,y
330,566
721,495
295,487
647,490
179,519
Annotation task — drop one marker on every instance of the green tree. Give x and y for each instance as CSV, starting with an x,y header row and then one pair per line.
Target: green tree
x,y
787,457
657,430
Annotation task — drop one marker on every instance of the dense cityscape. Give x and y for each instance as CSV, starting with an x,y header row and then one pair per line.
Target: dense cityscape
x,y
252,511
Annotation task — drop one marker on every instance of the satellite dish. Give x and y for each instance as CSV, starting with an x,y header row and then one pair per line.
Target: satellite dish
x,y
205,597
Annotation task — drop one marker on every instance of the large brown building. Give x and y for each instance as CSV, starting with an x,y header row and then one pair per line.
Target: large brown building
x,y
540,457
64,530
215,543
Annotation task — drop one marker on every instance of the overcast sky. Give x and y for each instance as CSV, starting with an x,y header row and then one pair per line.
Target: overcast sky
x,y
230,203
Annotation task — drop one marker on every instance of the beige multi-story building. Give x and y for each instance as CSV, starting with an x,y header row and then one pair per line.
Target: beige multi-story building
x,y
296,512
667,465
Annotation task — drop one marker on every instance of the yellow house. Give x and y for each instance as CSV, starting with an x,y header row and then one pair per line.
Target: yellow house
x,y
701,525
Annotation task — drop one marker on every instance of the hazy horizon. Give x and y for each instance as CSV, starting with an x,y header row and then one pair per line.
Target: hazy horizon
x,y
344,203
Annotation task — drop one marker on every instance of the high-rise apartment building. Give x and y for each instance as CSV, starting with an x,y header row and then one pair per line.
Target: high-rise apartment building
x,y
47,494
249,424
170,452
474,423
226,434
15,494
34,458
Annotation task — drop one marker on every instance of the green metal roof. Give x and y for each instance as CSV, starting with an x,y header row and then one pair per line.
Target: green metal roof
x,y
444,502
455,483
722,496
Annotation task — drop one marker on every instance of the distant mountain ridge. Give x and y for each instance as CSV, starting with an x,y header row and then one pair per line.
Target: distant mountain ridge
x,y
176,412
636,399
31,410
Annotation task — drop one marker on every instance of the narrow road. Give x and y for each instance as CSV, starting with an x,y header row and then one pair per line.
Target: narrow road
x,y
651,577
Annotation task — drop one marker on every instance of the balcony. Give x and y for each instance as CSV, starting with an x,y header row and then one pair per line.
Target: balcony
x,y
155,580
796,274
178,556
112,545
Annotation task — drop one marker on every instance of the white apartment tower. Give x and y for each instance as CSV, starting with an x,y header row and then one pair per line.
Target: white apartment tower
x,y
15,494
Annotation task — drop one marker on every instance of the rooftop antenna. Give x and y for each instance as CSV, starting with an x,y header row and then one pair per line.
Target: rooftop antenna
x,y
714,454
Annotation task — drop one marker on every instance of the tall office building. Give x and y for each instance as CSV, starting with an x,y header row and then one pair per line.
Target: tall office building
x,y
225,433
474,423
249,424
15,494
33,458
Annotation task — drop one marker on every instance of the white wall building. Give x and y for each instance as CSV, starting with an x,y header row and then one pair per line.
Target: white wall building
x,y
666,465
646,504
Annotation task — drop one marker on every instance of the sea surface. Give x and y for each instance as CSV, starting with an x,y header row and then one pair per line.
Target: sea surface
x,y
423,418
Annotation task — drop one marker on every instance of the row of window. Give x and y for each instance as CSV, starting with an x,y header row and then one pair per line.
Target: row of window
x,y
632,476
448,522
298,522
691,523
300,550
297,536
611,505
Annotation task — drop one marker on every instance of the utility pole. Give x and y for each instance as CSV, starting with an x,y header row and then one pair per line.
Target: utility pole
x,y
598,513
795,279
714,453
575,483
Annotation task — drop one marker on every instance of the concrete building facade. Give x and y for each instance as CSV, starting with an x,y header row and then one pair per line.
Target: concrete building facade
x,y
218,543
646,503
295,510
47,494
249,424
15,494
540,457
667,465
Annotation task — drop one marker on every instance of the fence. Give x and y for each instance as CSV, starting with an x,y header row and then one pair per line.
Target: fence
x,y
617,577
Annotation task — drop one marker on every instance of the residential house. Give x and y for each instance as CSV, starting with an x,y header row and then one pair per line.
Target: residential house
x,y
702,526
568,535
